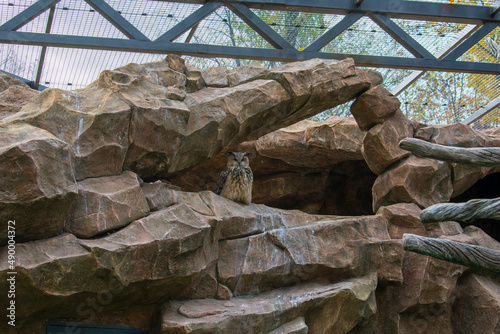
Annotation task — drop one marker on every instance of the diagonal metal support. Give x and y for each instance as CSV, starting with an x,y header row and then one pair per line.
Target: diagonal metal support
x,y
260,27
495,8
117,20
205,50
471,41
401,36
410,79
27,15
50,19
401,9
334,31
191,33
189,22
481,112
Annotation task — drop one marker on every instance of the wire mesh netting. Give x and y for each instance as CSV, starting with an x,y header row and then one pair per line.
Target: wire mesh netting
x,y
428,97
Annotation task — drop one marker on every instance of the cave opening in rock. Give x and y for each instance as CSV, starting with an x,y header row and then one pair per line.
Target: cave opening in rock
x,y
349,190
486,188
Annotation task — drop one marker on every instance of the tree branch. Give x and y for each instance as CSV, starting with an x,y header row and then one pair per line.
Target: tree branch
x,y
476,257
480,156
465,212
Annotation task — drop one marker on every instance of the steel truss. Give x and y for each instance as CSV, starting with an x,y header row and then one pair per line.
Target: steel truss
x,y
381,12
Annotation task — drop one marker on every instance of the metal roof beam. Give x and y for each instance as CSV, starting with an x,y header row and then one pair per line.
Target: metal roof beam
x,y
260,27
401,36
400,9
48,27
189,22
334,31
27,15
481,112
471,41
203,50
495,8
410,79
191,33
110,14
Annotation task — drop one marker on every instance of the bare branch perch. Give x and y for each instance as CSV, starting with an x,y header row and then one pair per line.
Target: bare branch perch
x,y
464,212
456,252
478,156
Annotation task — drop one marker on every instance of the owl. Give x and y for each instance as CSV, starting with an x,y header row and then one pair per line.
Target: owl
x,y
235,181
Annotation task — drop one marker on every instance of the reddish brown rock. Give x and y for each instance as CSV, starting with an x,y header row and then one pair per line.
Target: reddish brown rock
x,y
327,308
263,261
106,203
176,63
314,144
459,135
7,80
156,135
94,123
492,137
373,107
465,176
246,73
14,98
316,167
215,77
402,218
142,118
415,180
477,305
160,195
37,183
421,304
223,292
177,93
311,84
381,143
480,237
194,79
186,250
221,117
288,191
296,326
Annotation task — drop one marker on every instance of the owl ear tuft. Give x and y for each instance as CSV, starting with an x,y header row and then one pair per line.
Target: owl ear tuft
x,y
229,152
247,154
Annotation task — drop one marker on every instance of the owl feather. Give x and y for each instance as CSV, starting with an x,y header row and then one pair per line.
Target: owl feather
x,y
235,181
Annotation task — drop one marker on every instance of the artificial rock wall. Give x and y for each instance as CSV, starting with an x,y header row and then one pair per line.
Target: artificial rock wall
x,y
116,223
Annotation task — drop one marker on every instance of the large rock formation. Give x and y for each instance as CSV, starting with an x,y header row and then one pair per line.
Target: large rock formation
x,y
304,166
116,223
143,118
37,184
402,177
14,94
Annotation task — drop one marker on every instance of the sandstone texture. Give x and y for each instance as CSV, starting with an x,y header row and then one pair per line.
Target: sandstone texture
x,y
144,117
303,166
116,222
106,203
345,304
405,178
37,184
200,241
14,94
